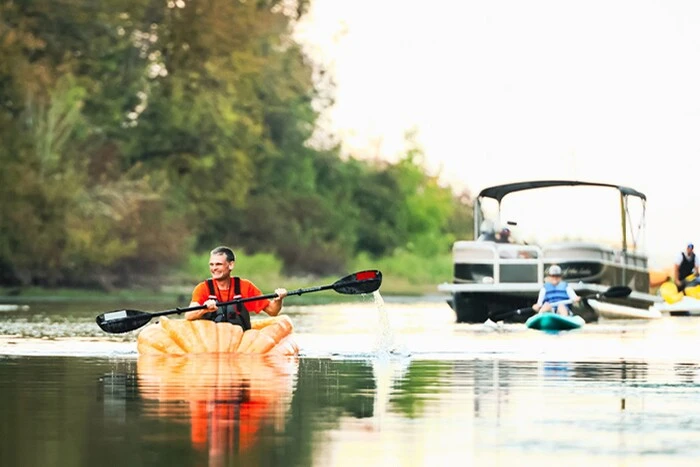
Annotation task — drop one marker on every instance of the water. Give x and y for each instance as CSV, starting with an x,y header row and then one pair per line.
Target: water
x,y
378,382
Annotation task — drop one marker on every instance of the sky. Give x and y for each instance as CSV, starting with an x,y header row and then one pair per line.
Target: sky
x,y
511,90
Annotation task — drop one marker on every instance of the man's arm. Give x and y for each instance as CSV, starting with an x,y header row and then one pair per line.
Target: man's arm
x,y
677,273
275,306
540,300
676,269
572,293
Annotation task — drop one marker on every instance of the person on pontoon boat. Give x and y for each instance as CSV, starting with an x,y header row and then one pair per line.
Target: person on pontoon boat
x,y
503,236
554,293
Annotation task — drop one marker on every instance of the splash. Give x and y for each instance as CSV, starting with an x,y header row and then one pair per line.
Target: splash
x,y
388,365
386,340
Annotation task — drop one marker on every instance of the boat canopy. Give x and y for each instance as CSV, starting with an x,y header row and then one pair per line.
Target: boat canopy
x,y
498,192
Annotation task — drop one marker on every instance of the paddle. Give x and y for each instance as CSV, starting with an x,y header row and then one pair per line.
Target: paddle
x,y
120,321
616,291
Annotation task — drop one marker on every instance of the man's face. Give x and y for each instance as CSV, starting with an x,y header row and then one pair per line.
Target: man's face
x,y
555,279
689,250
219,267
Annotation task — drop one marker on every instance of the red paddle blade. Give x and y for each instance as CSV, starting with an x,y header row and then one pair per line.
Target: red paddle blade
x,y
359,282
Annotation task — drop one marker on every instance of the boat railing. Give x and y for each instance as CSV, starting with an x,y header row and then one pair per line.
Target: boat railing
x,y
580,251
500,255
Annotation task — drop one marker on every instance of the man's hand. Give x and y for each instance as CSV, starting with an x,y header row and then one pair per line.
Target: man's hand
x,y
281,293
197,314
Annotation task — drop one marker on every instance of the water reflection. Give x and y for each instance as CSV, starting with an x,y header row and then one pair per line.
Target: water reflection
x,y
686,371
252,410
228,399
377,384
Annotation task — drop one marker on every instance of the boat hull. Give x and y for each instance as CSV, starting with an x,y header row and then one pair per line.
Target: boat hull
x,y
554,322
609,310
686,306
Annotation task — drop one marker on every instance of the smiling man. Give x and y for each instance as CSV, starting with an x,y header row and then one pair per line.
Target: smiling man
x,y
224,288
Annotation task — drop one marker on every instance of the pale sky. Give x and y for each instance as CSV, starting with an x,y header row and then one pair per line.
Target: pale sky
x,y
513,90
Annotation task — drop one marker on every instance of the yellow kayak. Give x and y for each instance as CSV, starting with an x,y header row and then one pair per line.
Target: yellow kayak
x,y
669,291
179,336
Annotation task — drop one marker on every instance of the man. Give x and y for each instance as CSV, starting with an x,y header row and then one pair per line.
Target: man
x,y
222,288
555,290
687,263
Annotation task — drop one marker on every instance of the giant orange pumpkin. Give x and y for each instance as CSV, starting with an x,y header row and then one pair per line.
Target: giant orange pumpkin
x,y
179,336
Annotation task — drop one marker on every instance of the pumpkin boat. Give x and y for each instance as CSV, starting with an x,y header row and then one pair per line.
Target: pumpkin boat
x,y
267,336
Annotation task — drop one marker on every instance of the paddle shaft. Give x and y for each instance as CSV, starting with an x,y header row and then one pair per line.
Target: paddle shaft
x,y
567,302
613,291
244,300
520,311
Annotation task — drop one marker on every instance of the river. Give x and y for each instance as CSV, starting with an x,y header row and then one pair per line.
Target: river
x,y
379,381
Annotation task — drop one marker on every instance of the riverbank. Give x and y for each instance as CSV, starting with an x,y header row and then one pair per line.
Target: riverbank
x,y
402,275
179,294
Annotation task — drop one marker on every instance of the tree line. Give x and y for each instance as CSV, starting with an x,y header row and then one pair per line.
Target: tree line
x,y
136,131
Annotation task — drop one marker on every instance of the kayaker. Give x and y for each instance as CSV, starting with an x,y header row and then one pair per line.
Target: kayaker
x,y
223,288
687,263
555,290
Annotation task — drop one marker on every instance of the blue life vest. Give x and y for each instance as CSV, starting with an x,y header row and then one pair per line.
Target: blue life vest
x,y
555,293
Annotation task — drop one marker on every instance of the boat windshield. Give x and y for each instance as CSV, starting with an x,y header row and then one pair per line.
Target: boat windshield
x,y
567,214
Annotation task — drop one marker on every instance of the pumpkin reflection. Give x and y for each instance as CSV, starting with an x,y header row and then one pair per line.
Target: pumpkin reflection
x,y
231,396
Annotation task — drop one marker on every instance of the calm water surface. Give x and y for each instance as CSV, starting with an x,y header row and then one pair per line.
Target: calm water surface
x,y
377,383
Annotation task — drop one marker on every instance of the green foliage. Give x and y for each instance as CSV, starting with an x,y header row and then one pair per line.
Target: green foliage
x,y
135,133
408,273
263,269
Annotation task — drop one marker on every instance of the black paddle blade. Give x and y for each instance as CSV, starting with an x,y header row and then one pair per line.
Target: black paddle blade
x,y
359,282
120,321
617,291
521,313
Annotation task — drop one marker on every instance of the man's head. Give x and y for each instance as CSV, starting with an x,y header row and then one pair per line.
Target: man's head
x,y
689,248
221,262
554,273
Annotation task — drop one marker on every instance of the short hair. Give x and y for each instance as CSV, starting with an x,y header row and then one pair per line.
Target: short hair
x,y
224,250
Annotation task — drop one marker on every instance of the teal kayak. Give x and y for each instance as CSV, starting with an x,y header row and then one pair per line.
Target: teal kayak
x,y
554,322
